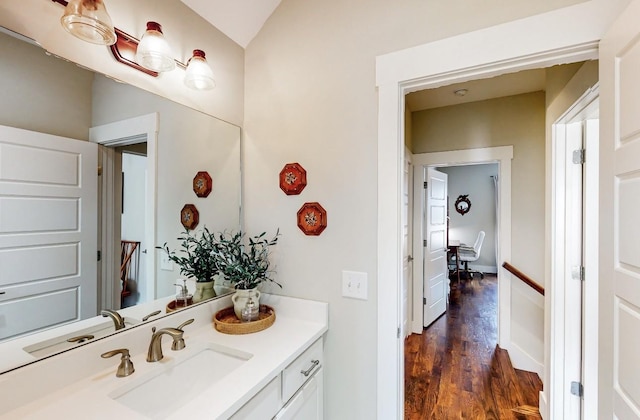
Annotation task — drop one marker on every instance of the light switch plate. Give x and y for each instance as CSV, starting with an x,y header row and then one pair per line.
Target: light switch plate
x,y
355,285
165,263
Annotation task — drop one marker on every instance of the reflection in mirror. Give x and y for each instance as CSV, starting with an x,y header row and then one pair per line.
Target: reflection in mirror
x,y
44,94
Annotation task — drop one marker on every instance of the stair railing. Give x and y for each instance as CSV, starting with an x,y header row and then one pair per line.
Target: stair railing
x,y
526,279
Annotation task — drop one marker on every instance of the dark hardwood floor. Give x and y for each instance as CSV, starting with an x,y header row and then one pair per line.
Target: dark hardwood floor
x,y
455,370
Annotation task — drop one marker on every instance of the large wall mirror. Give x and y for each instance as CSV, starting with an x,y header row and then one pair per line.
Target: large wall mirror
x,y
46,94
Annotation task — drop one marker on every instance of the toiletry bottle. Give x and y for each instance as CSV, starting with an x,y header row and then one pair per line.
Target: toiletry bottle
x,y
183,298
250,311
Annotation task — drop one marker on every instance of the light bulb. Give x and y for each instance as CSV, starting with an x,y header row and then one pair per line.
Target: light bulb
x,y
153,51
89,21
199,75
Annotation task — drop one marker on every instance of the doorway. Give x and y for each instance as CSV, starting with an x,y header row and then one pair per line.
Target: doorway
x,y
132,227
500,156
404,71
128,132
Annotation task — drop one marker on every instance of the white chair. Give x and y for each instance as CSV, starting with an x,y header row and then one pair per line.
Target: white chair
x,y
470,254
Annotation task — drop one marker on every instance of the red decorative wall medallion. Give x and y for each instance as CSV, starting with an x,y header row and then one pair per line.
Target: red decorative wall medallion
x,y
312,218
293,179
202,184
189,216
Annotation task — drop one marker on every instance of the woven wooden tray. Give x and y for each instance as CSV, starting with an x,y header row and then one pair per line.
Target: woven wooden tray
x,y
227,322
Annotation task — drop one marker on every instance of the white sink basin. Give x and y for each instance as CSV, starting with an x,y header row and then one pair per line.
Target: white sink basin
x,y
177,381
57,344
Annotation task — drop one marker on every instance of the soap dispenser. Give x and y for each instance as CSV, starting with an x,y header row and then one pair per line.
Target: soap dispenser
x,y
250,312
183,298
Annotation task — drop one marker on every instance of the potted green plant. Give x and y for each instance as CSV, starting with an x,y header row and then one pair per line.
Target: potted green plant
x,y
198,261
244,262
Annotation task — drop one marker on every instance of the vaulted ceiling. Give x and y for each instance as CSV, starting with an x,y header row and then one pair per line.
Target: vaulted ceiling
x,y
240,20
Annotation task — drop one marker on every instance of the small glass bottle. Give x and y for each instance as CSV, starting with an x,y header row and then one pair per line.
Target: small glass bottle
x,y
250,311
183,298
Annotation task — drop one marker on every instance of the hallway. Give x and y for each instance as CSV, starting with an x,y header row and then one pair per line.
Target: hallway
x,y
454,369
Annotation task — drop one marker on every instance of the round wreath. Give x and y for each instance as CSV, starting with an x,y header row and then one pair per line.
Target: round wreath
x,y
463,208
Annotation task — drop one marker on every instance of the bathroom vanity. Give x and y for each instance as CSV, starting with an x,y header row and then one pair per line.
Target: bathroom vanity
x,y
274,373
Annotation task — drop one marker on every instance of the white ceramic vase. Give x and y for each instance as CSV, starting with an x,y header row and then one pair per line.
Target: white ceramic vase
x,y
240,298
204,291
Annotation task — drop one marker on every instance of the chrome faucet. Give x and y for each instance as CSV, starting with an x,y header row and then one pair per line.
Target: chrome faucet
x,y
118,321
155,347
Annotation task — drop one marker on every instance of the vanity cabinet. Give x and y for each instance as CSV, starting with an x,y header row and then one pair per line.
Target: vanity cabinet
x,y
307,403
295,393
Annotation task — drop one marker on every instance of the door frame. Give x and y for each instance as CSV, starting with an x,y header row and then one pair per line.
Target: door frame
x,y
571,34
559,303
502,155
123,133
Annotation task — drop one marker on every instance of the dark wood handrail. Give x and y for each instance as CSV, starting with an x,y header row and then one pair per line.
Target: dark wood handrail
x,y
526,279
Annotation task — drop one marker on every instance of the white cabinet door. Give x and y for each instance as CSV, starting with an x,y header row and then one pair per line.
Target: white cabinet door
x,y
307,403
263,405
48,231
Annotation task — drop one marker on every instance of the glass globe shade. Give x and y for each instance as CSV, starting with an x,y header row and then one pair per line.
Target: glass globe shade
x,y
153,50
199,75
89,21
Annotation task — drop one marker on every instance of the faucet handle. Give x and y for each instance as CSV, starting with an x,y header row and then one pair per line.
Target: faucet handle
x,y
126,365
179,344
185,323
146,317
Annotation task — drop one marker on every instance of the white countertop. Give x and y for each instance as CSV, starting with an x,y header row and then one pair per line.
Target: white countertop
x,y
77,383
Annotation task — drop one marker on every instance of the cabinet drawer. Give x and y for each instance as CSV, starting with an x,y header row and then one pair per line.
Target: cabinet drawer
x,y
301,369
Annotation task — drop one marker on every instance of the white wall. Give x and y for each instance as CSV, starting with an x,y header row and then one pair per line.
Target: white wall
x,y
188,142
40,93
475,181
311,98
184,30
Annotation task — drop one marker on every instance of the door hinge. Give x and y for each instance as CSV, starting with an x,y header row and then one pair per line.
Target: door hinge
x,y
424,243
398,332
425,184
577,273
579,156
99,170
99,255
424,301
577,389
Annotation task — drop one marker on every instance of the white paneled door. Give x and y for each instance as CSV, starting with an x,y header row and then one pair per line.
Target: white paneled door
x,y
620,231
436,279
48,223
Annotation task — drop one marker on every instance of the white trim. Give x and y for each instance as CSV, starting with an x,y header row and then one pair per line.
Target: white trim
x,y
132,131
570,34
556,300
503,156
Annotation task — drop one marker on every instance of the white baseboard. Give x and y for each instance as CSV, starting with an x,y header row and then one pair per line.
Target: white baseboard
x,y
520,359
543,407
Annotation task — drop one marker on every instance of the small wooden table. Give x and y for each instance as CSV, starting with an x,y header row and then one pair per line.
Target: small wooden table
x,y
454,249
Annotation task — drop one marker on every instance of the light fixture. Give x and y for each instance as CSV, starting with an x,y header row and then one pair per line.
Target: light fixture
x,y
199,75
89,21
153,50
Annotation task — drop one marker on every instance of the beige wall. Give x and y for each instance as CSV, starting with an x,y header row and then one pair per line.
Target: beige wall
x,y
41,93
514,120
311,98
